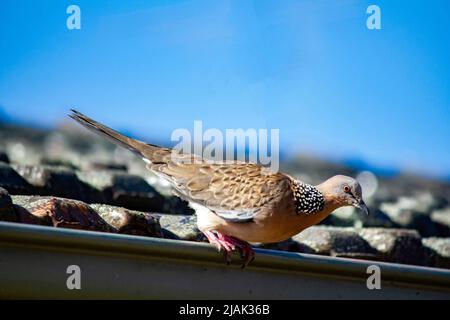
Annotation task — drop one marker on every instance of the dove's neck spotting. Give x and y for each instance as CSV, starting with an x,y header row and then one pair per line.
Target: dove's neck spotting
x,y
308,199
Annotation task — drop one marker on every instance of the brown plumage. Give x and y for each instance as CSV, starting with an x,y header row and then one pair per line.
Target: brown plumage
x,y
239,202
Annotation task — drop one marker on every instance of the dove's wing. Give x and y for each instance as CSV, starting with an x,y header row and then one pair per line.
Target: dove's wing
x,y
236,191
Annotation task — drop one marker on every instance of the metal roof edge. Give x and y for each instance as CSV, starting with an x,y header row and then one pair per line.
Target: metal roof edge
x,y
15,234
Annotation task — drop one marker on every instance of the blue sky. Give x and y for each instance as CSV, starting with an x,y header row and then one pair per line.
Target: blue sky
x,y
310,68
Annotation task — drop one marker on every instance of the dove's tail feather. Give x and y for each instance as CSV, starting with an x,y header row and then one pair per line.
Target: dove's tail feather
x,y
142,149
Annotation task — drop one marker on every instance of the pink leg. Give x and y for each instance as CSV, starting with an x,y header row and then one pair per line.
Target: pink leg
x,y
229,244
216,241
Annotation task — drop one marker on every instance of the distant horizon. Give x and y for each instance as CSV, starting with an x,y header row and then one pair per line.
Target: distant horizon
x,y
354,163
312,69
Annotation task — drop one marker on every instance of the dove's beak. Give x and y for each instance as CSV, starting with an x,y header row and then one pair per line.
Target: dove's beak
x,y
360,204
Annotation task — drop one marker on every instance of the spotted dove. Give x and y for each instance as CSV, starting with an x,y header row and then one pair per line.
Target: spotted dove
x,y
237,203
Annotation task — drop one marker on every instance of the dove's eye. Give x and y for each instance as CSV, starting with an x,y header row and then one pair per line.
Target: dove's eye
x,y
346,189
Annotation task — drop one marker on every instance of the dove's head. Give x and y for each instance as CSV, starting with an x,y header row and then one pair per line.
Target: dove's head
x,y
343,191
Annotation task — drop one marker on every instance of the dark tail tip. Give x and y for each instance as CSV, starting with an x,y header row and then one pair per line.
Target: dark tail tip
x,y
74,112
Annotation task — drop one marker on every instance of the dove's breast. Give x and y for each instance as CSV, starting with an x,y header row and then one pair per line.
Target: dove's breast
x,y
272,224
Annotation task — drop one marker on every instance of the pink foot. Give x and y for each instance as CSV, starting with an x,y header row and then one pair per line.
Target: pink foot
x,y
229,244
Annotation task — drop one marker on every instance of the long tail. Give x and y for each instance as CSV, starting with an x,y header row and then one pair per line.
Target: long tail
x,y
147,151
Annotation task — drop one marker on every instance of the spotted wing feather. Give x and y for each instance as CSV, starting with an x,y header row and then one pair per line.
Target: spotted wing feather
x,y
235,192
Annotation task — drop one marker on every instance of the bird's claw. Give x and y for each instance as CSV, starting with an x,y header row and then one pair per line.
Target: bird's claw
x,y
229,245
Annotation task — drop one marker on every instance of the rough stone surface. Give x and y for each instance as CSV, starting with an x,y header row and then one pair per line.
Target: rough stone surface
x,y
58,163
58,181
4,157
175,205
12,181
352,217
125,190
414,213
441,220
96,165
438,251
343,217
129,221
7,212
59,212
334,241
133,192
181,227
396,245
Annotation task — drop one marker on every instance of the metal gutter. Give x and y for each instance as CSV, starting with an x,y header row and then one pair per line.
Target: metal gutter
x,y
34,260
